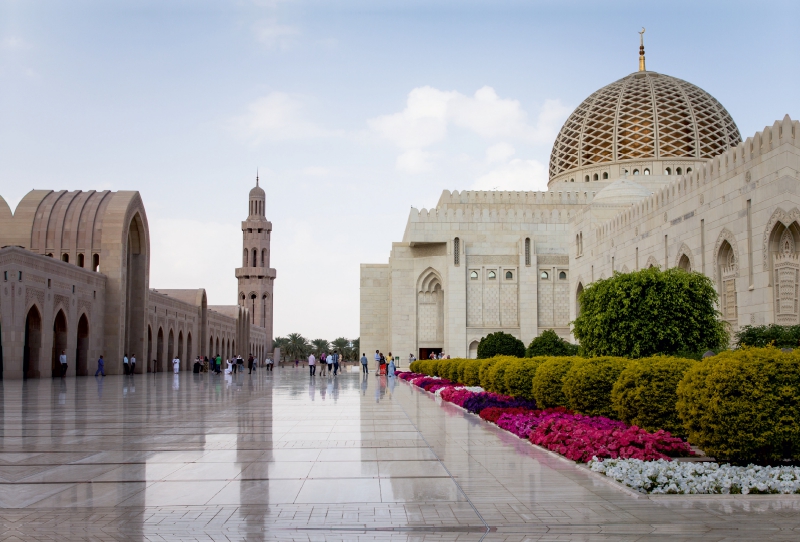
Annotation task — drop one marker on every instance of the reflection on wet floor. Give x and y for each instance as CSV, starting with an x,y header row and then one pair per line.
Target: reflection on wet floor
x,y
215,456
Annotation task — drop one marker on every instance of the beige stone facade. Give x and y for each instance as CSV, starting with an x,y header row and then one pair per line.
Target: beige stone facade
x,y
75,269
649,170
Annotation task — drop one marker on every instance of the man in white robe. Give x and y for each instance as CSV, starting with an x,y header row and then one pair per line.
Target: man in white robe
x,y
176,365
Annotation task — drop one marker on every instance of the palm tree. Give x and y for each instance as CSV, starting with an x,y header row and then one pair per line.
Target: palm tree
x,y
356,348
318,346
280,342
342,346
297,347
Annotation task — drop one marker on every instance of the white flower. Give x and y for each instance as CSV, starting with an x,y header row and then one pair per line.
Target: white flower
x,y
687,477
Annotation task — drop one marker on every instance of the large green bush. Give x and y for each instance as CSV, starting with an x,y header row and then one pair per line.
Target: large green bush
x,y
484,377
548,383
771,335
414,366
519,377
744,405
587,385
650,312
500,344
471,372
550,344
497,374
646,392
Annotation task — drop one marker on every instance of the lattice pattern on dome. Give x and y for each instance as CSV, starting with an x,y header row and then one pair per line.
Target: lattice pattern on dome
x,y
644,115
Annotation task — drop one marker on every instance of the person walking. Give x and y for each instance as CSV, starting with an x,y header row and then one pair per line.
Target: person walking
x,y
250,364
125,364
335,362
323,364
377,361
240,362
132,365
270,364
176,365
329,361
312,367
364,362
62,359
218,363
100,367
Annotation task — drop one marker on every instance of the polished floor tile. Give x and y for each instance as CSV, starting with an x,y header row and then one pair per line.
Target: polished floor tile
x,y
281,456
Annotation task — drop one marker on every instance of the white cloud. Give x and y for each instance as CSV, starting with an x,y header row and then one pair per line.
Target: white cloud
x,y
414,161
273,35
516,175
430,111
499,152
277,117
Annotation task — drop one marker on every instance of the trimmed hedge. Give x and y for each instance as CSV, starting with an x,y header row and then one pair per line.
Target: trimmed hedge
x,y
646,392
483,372
744,405
548,384
519,377
471,372
588,384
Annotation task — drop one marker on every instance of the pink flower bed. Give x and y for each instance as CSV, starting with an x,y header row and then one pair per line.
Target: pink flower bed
x,y
574,436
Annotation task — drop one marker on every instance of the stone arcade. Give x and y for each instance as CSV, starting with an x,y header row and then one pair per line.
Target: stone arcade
x,y
75,271
647,171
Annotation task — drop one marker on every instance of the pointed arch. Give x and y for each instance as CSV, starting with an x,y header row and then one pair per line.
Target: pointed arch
x,y
779,217
33,343
652,262
430,309
82,347
726,239
59,341
685,258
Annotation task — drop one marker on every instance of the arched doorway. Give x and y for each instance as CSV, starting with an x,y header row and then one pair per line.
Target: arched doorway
x,y
82,349
217,351
33,343
727,270
784,271
149,358
430,313
170,348
473,350
189,359
180,348
136,285
159,351
59,341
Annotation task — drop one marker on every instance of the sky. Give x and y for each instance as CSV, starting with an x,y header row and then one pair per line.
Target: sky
x,y
351,111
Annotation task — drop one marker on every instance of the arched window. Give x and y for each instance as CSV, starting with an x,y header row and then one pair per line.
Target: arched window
x,y
572,180
263,257
81,259
244,258
253,309
456,251
669,171
544,275
473,275
65,257
527,251
678,171
586,179
685,264
688,170
635,171
605,175
595,177
491,275
647,171
562,275
96,262
509,275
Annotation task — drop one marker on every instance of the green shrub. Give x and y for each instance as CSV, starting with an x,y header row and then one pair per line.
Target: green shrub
x,y
519,377
450,370
435,367
550,344
646,392
462,366
472,372
744,405
500,344
587,385
483,372
771,335
497,380
414,366
650,312
548,383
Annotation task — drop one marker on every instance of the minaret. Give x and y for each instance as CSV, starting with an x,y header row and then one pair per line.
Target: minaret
x,y
256,276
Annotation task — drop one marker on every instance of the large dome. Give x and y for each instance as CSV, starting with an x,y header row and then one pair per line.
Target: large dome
x,y
645,115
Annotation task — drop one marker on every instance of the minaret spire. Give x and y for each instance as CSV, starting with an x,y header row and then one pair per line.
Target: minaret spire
x,y
641,51
256,176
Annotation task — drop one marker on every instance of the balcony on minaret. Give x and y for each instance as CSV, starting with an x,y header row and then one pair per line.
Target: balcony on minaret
x,y
255,272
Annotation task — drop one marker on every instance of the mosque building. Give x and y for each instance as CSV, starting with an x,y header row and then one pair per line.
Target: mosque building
x,y
648,171
75,271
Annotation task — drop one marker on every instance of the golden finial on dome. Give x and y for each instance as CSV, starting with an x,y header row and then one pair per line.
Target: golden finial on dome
x,y
641,51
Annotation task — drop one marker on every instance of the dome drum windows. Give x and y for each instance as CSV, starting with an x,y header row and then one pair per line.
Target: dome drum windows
x,y
473,275
544,275
491,275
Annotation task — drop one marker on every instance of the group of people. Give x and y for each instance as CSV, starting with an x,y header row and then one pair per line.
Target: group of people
x,y
380,361
327,362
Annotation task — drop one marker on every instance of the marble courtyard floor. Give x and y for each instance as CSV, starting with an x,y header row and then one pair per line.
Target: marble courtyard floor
x,y
279,456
